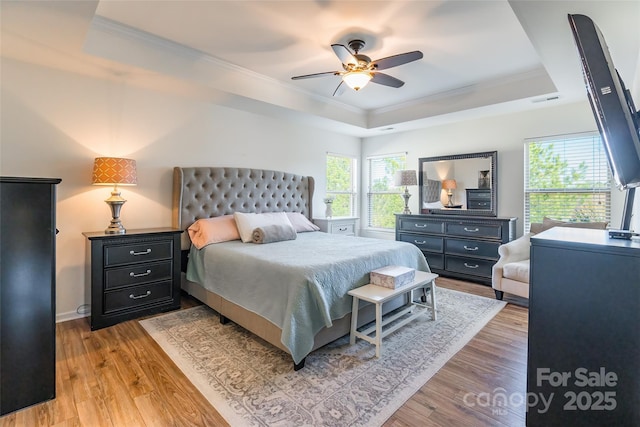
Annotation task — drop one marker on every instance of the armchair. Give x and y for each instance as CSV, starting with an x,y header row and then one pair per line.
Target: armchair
x,y
511,273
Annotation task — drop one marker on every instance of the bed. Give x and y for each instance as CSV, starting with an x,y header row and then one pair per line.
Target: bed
x,y
293,293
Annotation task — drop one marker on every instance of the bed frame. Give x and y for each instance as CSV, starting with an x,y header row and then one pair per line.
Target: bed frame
x,y
205,192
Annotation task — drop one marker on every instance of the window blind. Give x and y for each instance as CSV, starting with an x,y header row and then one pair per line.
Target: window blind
x,y
342,184
567,178
383,198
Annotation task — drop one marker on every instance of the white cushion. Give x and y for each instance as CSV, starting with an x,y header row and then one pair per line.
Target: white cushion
x,y
518,270
247,222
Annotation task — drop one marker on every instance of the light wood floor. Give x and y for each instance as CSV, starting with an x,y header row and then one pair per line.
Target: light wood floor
x,y
119,376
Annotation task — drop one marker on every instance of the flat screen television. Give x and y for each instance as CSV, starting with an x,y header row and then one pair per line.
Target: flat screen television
x,y
612,106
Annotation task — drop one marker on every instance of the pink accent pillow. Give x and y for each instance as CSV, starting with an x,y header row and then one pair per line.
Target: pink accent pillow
x,y
213,230
301,223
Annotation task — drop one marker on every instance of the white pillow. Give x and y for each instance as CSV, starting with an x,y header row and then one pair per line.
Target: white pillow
x,y
247,222
301,223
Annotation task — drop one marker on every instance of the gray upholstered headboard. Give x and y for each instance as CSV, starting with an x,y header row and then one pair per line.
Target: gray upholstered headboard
x,y
205,192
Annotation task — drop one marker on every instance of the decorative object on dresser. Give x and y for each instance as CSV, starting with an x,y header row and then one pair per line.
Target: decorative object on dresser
x,y
342,225
449,185
457,246
478,198
405,178
114,171
132,275
328,212
27,292
463,169
584,346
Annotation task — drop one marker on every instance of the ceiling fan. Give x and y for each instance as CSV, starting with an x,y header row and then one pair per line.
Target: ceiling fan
x,y
360,69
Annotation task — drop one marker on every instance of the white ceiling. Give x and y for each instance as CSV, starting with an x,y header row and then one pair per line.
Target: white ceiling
x,y
480,57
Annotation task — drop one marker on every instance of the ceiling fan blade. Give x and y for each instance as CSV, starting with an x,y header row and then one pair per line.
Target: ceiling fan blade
x,y
309,76
340,89
395,60
387,80
344,54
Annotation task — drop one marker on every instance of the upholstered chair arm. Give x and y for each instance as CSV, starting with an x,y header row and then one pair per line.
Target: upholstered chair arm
x,y
516,250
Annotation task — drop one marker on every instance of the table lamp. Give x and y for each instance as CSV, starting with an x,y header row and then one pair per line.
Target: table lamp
x,y
406,178
449,184
114,171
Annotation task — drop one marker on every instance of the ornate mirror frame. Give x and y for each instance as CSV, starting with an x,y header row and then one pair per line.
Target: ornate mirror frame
x,y
490,155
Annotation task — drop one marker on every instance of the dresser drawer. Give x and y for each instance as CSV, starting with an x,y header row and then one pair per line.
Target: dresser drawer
x,y
476,248
434,260
473,266
475,230
425,243
136,296
344,228
139,252
136,274
421,226
478,204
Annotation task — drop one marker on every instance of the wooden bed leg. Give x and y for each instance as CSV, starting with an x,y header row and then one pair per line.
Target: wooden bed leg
x,y
224,320
298,366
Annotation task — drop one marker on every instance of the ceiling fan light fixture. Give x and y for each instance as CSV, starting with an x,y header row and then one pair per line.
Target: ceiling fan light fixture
x,y
356,80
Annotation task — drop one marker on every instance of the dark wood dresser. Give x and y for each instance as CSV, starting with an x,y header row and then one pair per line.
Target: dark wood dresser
x,y
133,274
584,323
27,292
464,247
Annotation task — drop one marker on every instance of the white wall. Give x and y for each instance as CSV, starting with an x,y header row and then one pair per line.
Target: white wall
x,y
54,123
505,133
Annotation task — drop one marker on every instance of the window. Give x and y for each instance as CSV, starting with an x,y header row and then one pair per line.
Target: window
x,y
383,198
567,178
342,184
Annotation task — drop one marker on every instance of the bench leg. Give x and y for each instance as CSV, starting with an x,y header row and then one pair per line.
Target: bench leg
x,y
378,329
354,321
433,300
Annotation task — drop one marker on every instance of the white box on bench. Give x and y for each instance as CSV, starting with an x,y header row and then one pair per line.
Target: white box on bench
x,y
392,276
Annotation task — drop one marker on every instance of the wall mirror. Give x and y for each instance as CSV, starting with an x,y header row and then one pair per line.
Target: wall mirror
x,y
461,184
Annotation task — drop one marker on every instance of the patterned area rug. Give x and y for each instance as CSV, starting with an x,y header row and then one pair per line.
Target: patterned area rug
x,y
252,383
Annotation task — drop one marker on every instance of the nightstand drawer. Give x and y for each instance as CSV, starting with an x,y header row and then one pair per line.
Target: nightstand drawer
x,y
136,296
139,252
425,243
135,274
476,248
345,228
476,267
475,230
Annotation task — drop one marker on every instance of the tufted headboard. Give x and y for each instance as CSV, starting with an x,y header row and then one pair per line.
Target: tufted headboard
x,y
205,192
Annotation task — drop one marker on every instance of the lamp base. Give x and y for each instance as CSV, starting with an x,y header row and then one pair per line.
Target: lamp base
x,y
115,202
406,195
450,204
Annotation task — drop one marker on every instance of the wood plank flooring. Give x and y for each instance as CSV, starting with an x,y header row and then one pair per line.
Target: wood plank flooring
x,y
119,376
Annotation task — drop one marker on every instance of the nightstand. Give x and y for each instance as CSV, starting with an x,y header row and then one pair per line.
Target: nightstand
x,y
337,225
133,274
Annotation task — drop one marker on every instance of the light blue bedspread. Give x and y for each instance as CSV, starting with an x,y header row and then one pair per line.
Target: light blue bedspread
x,y
299,285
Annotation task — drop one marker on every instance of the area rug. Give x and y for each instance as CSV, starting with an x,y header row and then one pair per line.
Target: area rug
x,y
252,383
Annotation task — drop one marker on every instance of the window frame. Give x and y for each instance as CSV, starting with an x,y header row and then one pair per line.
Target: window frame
x,y
353,191
391,190
599,185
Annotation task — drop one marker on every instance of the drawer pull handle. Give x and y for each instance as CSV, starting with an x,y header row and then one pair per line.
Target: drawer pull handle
x,y
472,230
146,273
471,266
134,253
132,296
415,224
342,228
419,242
470,249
